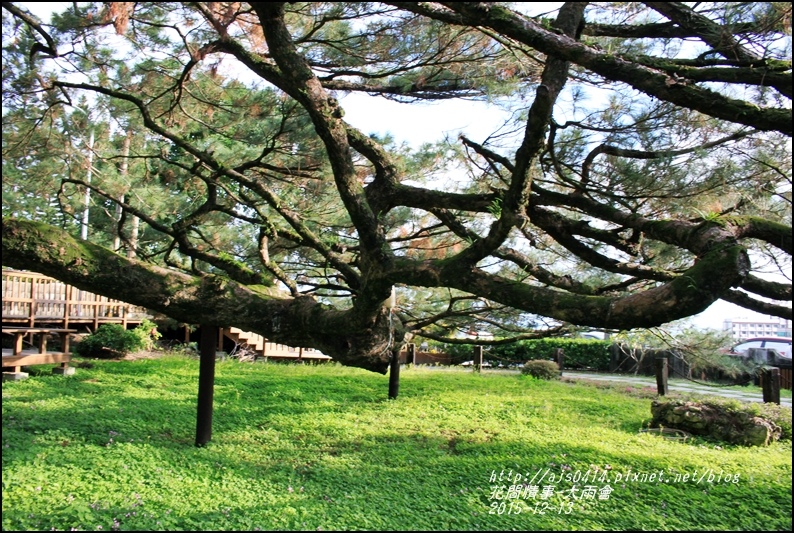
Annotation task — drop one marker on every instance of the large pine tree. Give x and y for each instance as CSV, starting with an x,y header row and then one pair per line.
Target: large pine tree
x,y
646,172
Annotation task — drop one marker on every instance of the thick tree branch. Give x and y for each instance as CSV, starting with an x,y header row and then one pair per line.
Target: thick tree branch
x,y
492,342
204,299
560,230
301,83
664,30
516,199
608,149
719,37
612,67
564,282
744,300
767,289
752,227
759,73
723,265
51,49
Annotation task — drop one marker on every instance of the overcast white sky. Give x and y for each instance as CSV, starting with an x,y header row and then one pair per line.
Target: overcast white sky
x,y
417,124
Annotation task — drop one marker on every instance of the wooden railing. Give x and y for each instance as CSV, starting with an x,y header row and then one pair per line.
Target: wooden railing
x,y
785,377
30,298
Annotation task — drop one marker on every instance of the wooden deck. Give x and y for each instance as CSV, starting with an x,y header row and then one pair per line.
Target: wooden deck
x,y
31,299
33,357
17,356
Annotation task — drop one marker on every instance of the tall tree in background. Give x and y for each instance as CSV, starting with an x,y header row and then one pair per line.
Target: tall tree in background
x,y
645,175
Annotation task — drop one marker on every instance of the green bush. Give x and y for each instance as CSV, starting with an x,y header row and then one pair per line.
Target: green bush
x,y
541,369
147,334
113,340
578,353
457,352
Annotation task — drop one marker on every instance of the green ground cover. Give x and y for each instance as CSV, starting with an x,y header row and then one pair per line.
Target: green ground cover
x,y
320,448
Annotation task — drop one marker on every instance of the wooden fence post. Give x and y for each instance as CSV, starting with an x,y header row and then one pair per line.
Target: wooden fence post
x,y
614,350
67,306
209,338
785,377
771,385
32,316
559,356
478,358
661,376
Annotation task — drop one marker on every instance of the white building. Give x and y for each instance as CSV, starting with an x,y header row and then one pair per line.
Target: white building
x,y
743,328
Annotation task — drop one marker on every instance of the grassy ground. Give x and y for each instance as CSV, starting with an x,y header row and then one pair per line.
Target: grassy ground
x,y
321,448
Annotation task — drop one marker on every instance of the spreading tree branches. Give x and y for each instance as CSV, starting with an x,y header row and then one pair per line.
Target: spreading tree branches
x,y
644,175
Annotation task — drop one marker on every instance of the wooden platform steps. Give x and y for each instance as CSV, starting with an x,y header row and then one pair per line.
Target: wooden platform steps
x,y
266,349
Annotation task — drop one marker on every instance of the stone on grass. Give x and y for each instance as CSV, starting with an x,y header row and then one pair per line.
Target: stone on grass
x,y
710,419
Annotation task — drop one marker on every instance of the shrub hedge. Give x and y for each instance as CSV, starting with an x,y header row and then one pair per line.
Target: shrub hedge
x,y
113,340
579,353
541,369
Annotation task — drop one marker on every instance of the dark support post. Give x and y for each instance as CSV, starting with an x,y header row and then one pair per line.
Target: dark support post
x,y
613,357
661,376
477,358
559,355
209,338
771,385
394,374
411,357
